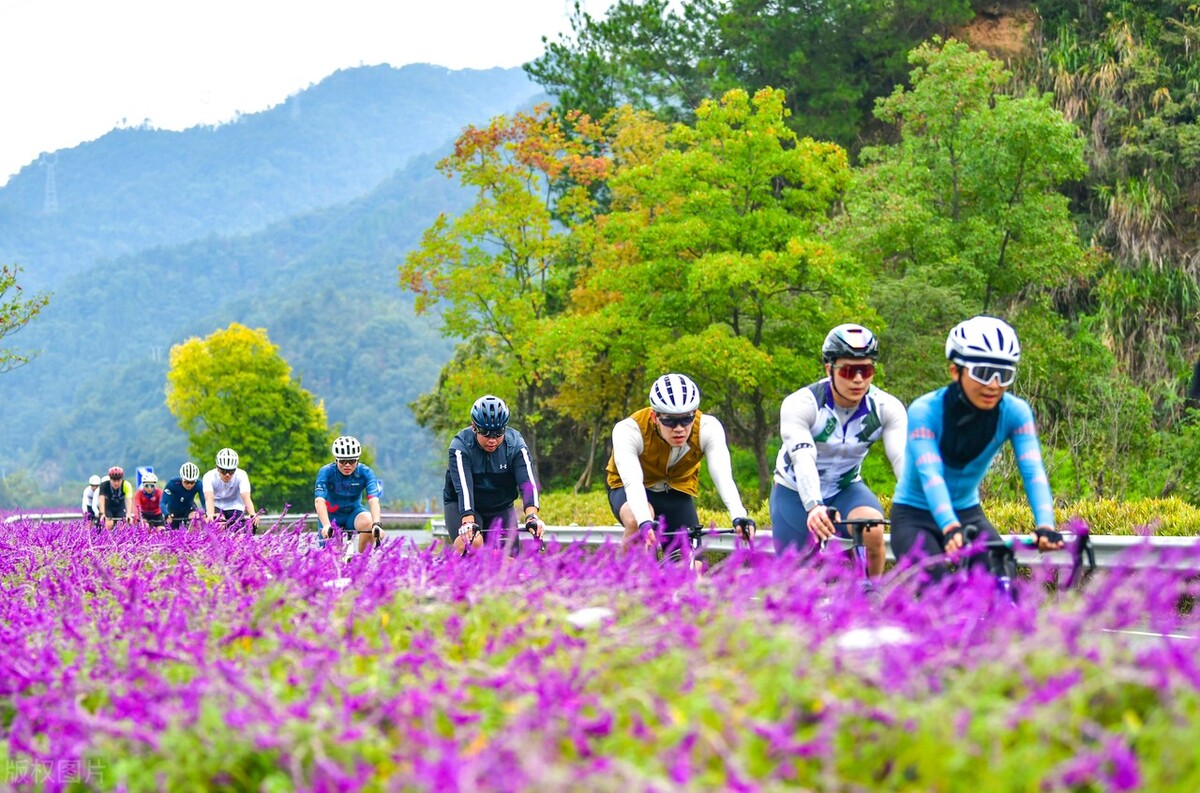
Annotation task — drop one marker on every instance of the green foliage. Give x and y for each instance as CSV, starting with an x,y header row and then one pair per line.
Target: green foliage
x,y
234,389
831,59
16,311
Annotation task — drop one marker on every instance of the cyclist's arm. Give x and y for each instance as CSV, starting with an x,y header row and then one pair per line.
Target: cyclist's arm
x,y
320,494
101,502
1028,452
894,418
322,510
209,492
374,490
923,429
627,449
464,483
796,417
128,488
720,467
522,465
84,507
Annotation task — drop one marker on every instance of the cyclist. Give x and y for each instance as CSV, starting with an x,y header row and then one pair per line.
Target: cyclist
x,y
227,489
490,467
828,428
114,497
88,507
654,470
338,496
179,496
147,504
954,434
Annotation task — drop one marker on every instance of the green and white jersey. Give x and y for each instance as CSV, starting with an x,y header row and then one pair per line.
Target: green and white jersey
x,y
824,445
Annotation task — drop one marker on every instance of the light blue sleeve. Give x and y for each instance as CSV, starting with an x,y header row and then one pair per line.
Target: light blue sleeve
x,y
1022,433
924,422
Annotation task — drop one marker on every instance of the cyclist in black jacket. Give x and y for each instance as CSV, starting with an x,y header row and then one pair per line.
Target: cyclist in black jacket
x,y
489,469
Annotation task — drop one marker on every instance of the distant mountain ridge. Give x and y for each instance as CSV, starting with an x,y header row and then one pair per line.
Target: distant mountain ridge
x,y
323,282
134,188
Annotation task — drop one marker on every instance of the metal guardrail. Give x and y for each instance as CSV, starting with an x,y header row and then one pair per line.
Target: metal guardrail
x,y
1107,548
1164,551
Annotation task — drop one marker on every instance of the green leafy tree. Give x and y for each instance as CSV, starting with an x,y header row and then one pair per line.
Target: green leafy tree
x,y
711,263
234,389
832,59
504,264
963,214
16,311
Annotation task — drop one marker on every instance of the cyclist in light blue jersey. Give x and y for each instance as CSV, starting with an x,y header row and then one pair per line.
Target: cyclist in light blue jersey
x,y
954,433
338,495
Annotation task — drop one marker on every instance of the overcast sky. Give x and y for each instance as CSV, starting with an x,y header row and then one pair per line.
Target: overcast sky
x,y
70,70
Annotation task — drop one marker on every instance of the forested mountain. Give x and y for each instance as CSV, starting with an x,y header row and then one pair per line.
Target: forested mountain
x,y
138,187
321,281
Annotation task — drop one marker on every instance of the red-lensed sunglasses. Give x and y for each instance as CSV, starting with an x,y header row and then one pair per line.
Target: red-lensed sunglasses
x,y
852,370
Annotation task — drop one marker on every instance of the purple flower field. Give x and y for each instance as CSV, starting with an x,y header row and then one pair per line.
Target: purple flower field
x,y
207,661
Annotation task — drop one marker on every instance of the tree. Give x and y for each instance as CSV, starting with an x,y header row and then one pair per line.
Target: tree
x,y
963,215
16,311
832,58
503,264
234,389
711,263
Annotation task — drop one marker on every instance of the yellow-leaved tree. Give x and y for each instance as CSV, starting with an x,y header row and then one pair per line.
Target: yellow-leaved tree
x,y
234,389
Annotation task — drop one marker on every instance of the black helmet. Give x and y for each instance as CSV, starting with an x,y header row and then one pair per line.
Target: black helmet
x,y
849,341
489,413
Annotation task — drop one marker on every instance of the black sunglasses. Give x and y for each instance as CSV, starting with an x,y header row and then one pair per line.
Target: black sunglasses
x,y
490,433
676,421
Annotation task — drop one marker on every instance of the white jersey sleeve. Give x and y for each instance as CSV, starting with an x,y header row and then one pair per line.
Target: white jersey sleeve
x,y
894,418
796,417
627,450
720,466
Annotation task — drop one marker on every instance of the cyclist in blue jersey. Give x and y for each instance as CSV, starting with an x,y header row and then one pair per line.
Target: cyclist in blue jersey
x,y
828,429
179,496
490,467
954,433
339,492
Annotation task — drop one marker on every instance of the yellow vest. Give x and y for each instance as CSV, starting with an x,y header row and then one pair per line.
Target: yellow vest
x,y
684,475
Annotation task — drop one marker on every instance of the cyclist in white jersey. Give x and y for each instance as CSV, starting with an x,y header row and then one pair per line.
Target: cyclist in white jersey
x,y
88,506
227,490
828,428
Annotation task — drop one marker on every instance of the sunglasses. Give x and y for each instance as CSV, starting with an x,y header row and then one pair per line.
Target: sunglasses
x,y
852,370
490,433
188,482
676,421
225,471
351,461
986,373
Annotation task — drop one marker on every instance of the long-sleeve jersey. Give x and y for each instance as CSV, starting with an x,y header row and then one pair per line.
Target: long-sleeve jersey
x,y
178,501
483,482
928,483
344,492
824,445
628,468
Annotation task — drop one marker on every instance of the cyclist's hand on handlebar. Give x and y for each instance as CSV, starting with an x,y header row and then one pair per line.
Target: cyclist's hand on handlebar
x,y
820,523
1048,539
646,532
746,527
534,525
952,536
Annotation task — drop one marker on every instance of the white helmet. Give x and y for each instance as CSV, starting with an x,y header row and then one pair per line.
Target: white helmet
x,y
674,394
189,472
983,339
227,458
150,478
346,447
94,480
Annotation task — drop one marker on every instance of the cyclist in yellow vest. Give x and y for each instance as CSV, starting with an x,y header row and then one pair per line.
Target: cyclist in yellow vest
x,y
653,475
